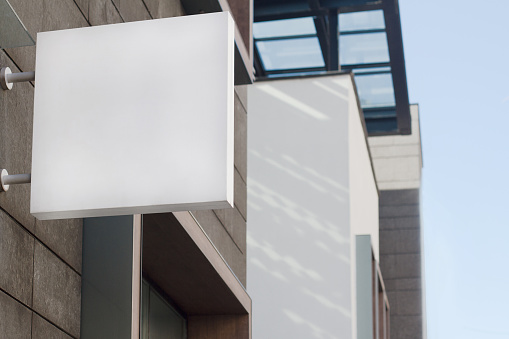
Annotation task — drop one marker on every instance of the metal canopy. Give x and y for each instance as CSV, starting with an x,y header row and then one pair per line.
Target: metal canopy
x,y
337,40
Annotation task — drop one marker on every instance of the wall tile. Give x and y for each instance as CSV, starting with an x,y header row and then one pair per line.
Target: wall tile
x,y
57,291
16,260
132,10
42,16
240,139
16,145
408,303
223,242
240,194
399,197
400,266
241,92
83,6
400,223
64,237
235,224
399,211
405,327
41,329
164,9
103,12
400,241
403,284
15,319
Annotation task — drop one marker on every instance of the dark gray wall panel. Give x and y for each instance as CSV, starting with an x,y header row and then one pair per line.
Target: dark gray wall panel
x,y
57,290
15,319
16,259
64,237
45,330
400,260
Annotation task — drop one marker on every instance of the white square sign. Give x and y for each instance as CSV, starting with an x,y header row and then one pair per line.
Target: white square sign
x,y
134,118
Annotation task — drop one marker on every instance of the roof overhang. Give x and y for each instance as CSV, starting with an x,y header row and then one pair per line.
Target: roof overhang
x,y
323,12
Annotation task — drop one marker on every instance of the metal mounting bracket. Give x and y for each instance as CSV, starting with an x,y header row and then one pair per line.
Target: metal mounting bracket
x,y
6,180
7,78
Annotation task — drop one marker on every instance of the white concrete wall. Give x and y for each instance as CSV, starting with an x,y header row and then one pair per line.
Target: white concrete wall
x,y
301,270
398,158
363,189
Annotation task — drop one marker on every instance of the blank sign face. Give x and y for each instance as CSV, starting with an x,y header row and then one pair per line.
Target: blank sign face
x,y
134,118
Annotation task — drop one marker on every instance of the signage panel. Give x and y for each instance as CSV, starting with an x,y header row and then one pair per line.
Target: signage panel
x,y
134,118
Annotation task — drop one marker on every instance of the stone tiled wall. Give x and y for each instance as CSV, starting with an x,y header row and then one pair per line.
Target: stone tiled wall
x,y
400,260
40,261
397,160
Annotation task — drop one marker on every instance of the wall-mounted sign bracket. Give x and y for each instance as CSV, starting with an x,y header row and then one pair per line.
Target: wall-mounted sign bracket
x,y
7,78
6,180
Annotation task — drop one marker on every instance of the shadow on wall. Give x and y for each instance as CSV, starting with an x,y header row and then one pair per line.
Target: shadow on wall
x,y
298,205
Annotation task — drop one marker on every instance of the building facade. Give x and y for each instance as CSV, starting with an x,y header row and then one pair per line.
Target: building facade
x,y
296,40
333,247
151,276
312,193
398,163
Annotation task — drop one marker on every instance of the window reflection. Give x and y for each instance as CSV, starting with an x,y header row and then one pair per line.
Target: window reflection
x,y
290,27
159,320
12,31
388,112
375,90
291,47
382,125
358,21
290,53
366,48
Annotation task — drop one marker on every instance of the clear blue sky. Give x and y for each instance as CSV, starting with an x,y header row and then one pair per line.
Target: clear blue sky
x,y
457,59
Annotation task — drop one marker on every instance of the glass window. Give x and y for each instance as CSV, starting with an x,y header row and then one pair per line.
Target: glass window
x,y
159,320
365,48
371,70
382,125
290,27
359,21
12,31
389,112
375,90
290,53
